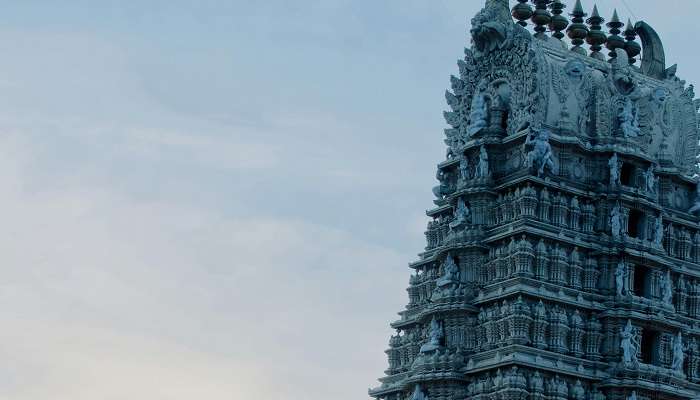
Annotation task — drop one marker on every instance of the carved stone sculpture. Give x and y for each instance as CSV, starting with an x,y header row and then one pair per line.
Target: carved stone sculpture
x,y
621,279
629,345
478,118
616,222
667,289
678,353
650,181
540,156
614,165
629,119
451,273
418,394
435,336
462,216
696,205
482,168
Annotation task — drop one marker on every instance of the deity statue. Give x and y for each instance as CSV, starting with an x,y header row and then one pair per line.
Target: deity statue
x,y
464,168
537,383
462,214
418,394
479,112
633,396
540,156
629,345
616,221
435,337
482,169
451,272
696,204
443,189
620,279
577,392
614,165
678,353
659,232
667,288
629,119
650,180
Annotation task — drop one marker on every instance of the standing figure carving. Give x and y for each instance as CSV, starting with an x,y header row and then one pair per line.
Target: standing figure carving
x,y
418,394
621,279
463,168
616,222
650,180
540,156
629,119
678,353
696,203
482,168
479,111
659,232
614,164
629,345
667,289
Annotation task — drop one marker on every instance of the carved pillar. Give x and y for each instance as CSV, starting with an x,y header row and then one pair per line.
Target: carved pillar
x,y
682,296
594,337
528,202
588,218
578,330
524,258
540,326
558,330
559,267
543,206
575,214
591,275
542,261
575,270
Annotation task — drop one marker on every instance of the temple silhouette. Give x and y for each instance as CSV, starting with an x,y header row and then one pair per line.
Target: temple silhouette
x,y
563,248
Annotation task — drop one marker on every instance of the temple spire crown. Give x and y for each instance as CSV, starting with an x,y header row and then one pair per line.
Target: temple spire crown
x,y
615,41
632,48
578,31
596,37
559,22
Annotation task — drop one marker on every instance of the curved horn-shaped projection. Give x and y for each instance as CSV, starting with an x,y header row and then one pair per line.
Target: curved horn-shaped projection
x,y
653,56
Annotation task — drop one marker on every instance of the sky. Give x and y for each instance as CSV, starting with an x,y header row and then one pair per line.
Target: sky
x,y
219,198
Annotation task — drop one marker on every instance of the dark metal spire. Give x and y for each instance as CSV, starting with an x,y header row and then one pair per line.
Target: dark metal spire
x,y
596,37
615,41
578,30
632,48
559,22
522,12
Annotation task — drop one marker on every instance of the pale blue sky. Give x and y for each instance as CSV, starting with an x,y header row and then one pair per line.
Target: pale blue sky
x,y
218,199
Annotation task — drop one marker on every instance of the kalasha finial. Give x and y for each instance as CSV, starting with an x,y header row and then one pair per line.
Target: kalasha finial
x,y
522,12
632,48
559,22
596,37
541,17
615,41
578,31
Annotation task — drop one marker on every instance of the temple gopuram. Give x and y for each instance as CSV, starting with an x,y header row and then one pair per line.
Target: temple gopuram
x,y
563,248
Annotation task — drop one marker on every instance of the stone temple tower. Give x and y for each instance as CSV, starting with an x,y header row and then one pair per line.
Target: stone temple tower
x,y
563,251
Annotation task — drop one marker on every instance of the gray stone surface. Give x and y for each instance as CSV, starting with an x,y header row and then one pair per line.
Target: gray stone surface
x,y
563,251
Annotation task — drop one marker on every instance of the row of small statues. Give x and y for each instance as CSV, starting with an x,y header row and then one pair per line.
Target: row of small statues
x,y
631,347
622,282
555,386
